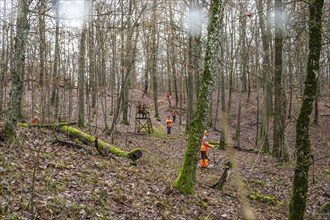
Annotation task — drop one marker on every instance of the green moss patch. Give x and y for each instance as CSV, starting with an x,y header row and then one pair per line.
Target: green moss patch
x,y
157,133
327,171
325,208
203,203
266,199
217,145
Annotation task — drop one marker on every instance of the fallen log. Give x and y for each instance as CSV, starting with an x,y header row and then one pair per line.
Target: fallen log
x,y
134,154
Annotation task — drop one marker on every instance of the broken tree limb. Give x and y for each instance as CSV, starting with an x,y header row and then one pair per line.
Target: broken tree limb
x,y
52,125
223,178
69,144
134,154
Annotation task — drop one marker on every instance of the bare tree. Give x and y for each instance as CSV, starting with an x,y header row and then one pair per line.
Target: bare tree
x,y
266,71
154,52
56,64
279,149
4,60
81,70
14,112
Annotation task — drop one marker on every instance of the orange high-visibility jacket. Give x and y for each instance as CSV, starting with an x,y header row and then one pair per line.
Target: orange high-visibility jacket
x,y
168,122
205,144
35,120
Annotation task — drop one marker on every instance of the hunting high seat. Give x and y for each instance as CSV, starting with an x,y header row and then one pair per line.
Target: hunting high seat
x,y
142,120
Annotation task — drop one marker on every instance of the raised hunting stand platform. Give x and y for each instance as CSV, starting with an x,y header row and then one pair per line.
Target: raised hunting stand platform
x,y
142,120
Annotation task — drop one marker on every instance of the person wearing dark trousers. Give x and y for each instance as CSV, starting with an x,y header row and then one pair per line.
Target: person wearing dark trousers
x,y
169,124
174,115
204,162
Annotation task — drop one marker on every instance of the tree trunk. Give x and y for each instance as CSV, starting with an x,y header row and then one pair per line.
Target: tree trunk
x,y
266,72
298,200
42,41
238,128
42,57
17,72
187,176
81,72
290,73
190,88
279,148
125,61
173,58
56,65
243,63
316,103
92,53
4,60
154,51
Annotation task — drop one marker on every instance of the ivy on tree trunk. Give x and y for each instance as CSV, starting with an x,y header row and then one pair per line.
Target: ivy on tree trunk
x,y
187,176
303,145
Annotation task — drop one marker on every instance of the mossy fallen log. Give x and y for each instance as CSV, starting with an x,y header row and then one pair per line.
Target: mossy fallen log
x,y
134,154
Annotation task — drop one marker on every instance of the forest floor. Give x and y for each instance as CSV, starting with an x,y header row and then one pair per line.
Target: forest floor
x,y
68,183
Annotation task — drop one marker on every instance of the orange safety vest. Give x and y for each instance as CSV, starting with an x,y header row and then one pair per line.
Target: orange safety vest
x,y
205,144
169,122
35,121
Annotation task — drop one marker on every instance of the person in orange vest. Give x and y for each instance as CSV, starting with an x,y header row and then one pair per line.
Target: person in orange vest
x,y
36,120
204,163
169,124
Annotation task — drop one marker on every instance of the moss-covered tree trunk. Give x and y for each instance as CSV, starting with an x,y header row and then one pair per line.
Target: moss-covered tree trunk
x,y
187,176
134,154
303,146
63,127
17,73
190,85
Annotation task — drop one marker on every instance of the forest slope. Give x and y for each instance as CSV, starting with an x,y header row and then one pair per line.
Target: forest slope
x,y
80,184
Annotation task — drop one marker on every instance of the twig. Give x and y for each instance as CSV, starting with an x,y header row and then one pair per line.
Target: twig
x,y
224,177
70,144
36,162
256,161
101,152
321,158
98,148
